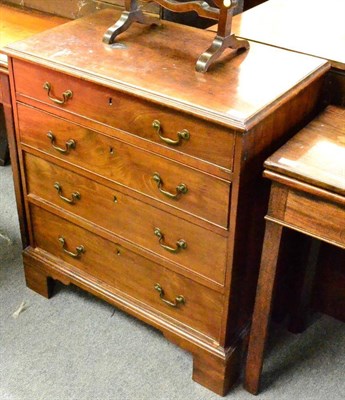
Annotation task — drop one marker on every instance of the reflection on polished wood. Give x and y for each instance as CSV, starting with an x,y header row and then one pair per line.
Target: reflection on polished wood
x,y
316,155
209,96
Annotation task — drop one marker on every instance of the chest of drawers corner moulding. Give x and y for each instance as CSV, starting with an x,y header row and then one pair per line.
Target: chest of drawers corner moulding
x,y
194,208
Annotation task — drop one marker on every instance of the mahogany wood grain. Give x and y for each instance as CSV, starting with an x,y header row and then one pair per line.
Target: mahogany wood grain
x,y
97,204
316,155
246,99
262,309
129,273
207,196
326,223
132,115
232,94
318,158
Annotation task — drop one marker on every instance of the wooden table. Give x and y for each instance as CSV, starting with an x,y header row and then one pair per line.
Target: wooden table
x,y
307,195
16,24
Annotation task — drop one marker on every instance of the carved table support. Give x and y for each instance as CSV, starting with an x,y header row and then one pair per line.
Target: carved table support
x,y
223,14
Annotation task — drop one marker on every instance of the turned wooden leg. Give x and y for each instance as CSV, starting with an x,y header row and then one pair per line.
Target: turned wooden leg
x,y
37,280
216,373
262,309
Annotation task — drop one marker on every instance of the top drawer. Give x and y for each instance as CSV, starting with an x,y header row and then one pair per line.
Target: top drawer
x,y
118,110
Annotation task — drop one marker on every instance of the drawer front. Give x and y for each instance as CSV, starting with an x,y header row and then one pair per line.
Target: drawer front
x,y
203,140
128,218
127,272
316,216
198,193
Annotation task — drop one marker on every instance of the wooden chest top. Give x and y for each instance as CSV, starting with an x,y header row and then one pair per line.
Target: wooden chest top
x,y
157,63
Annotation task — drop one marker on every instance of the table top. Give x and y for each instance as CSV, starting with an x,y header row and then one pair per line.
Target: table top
x,y
314,27
158,63
17,24
316,154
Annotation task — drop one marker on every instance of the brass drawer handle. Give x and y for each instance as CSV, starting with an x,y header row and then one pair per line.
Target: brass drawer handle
x,y
66,95
182,135
181,244
180,189
70,144
179,300
75,195
79,249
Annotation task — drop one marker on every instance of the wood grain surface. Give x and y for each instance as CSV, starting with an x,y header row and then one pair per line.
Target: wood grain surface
x,y
207,141
128,218
136,276
232,93
129,166
316,155
242,111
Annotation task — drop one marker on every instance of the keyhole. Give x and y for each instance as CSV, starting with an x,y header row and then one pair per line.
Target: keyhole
x,y
118,251
111,150
110,101
115,199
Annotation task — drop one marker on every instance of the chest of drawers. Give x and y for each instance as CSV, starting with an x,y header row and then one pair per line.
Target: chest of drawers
x,y
141,179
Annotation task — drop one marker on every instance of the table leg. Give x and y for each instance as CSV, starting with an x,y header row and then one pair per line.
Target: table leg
x,y
262,309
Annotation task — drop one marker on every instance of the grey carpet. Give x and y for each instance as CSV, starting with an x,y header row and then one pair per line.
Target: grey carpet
x,y
76,347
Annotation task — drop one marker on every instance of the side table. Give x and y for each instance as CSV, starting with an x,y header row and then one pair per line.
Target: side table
x,y
307,195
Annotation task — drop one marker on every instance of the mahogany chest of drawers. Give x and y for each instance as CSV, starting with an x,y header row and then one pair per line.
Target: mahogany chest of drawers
x,y
139,179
